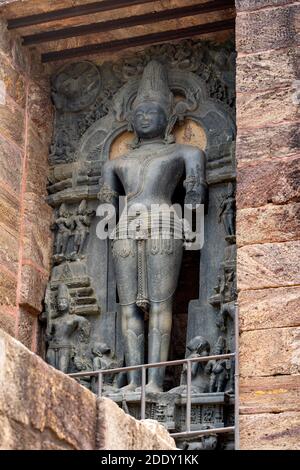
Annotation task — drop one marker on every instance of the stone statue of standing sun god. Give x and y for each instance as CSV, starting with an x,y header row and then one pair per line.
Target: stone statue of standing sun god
x,y
147,266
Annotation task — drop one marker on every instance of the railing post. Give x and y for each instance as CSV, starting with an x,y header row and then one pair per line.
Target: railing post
x,y
188,397
143,394
100,384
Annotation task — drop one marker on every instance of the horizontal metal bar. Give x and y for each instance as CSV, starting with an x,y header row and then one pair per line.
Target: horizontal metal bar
x,y
120,44
203,432
152,365
127,22
72,12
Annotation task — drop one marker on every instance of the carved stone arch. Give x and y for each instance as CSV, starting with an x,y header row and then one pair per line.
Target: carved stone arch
x,y
212,115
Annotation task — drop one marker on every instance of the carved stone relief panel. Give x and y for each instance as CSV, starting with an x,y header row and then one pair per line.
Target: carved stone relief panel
x,y
94,125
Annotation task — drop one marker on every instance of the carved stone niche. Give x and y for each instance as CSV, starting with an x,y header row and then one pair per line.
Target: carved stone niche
x,y
93,104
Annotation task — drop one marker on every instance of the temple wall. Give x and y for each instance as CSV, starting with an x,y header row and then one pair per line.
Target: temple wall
x,y
26,119
268,228
43,409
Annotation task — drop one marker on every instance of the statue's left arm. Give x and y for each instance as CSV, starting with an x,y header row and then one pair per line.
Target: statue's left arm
x,y
195,181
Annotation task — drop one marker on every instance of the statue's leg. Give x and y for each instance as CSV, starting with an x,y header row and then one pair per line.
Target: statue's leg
x,y
50,357
231,224
133,335
125,263
163,267
63,360
160,323
65,243
83,236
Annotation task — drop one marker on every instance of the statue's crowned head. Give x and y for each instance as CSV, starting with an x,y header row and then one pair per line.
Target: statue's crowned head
x,y
153,104
63,299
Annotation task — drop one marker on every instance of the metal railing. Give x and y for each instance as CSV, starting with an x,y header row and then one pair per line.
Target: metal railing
x,y
143,367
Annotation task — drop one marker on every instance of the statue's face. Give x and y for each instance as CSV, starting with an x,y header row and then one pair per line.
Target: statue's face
x,y
149,120
62,305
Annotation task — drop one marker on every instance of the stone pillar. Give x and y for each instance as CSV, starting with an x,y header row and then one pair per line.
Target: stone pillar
x,y
268,223
25,218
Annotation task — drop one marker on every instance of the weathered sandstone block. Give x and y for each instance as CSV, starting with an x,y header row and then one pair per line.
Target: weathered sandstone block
x,y
270,352
13,82
269,394
37,402
269,308
8,289
272,28
118,431
267,70
40,112
37,164
7,320
33,286
262,108
270,431
268,265
267,143
38,238
9,250
27,328
10,165
244,5
269,223
9,211
268,181
41,408
12,121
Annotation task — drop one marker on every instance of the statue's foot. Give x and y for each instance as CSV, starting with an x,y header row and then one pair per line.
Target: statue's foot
x,y
151,387
128,388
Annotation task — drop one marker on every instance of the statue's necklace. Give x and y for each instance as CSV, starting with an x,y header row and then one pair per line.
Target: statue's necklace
x,y
149,153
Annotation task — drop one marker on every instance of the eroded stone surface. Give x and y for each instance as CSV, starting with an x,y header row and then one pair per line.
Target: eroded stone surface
x,y
33,286
267,224
8,289
118,431
12,122
270,352
244,5
36,400
266,29
269,394
268,265
271,142
262,108
9,250
41,408
269,308
37,235
270,431
37,164
267,70
7,320
10,165
268,181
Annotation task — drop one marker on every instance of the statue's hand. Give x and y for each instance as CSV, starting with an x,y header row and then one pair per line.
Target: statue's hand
x,y
196,196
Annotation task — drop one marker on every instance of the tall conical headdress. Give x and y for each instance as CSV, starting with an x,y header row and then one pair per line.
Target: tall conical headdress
x,y
63,292
154,87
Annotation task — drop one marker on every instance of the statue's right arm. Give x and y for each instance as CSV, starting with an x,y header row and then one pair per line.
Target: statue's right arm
x,y
109,185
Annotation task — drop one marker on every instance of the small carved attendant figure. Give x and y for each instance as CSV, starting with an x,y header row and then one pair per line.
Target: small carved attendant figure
x,y
227,211
64,225
61,332
217,369
146,266
82,222
103,359
198,347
